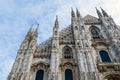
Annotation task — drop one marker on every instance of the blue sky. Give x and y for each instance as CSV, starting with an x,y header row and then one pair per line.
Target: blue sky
x,y
17,16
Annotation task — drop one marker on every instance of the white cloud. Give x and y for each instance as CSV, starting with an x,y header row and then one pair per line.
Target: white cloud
x,y
5,67
112,7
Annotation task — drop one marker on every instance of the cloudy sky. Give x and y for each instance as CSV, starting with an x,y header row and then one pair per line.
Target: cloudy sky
x,y
16,17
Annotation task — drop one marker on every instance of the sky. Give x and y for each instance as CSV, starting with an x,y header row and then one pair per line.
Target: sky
x,y
17,16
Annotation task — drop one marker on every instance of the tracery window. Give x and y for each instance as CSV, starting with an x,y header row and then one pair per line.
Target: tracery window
x,y
95,34
104,56
67,52
39,75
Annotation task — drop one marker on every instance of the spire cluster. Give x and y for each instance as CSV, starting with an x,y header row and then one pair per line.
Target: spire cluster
x,y
77,13
76,18
103,14
32,33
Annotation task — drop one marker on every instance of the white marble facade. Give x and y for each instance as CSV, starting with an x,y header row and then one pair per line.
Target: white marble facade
x,y
77,48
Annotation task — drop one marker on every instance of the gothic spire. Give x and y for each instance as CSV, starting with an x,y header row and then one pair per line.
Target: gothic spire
x,y
99,13
56,22
56,28
30,31
37,28
73,17
78,13
72,13
36,31
104,13
79,17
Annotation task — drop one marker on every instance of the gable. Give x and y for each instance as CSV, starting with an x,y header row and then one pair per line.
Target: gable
x,y
88,19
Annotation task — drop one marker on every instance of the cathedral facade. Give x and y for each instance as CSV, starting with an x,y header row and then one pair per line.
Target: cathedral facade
x,y
87,49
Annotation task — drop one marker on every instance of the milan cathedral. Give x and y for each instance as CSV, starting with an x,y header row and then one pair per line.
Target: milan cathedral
x,y
87,49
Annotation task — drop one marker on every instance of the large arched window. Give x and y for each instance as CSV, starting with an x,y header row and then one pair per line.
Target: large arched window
x,y
67,52
95,33
68,74
39,75
104,56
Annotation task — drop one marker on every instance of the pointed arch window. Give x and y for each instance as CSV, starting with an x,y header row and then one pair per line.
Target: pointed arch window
x,y
39,75
67,52
95,33
68,74
104,56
